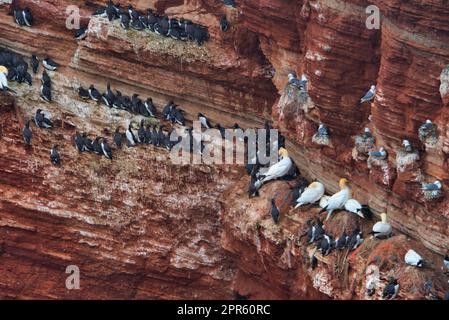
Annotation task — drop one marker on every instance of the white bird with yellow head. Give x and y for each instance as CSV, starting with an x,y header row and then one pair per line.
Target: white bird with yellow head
x,y
338,200
312,194
277,170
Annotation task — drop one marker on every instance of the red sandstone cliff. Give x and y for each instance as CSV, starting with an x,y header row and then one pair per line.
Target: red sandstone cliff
x,y
143,228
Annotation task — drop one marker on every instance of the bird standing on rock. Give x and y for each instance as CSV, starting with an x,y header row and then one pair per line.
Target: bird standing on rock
x,y
338,200
275,213
407,146
354,206
107,152
79,142
432,186
34,63
130,136
224,24
276,171
355,240
27,134
311,194
391,290
54,155
382,229
49,64
369,95
118,137
414,259
41,120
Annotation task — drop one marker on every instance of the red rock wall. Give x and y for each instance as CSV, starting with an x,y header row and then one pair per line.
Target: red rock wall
x,y
131,251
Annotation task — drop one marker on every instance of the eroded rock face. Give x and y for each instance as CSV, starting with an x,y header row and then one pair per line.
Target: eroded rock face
x,y
140,227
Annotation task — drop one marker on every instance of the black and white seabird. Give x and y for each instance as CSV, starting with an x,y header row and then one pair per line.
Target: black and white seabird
x,y
141,133
118,137
54,155
18,17
432,186
97,146
326,245
27,17
79,142
42,121
45,79
94,93
87,143
110,11
152,19
355,240
124,20
108,97
133,14
100,12
81,34
391,290
179,117
341,242
316,231
162,26
224,24
150,108
132,141
137,24
49,64
45,92
83,93
204,121
107,152
27,134
118,100
275,214
34,63
300,84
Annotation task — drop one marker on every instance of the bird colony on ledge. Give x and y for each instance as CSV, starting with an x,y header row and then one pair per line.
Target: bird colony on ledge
x,y
13,67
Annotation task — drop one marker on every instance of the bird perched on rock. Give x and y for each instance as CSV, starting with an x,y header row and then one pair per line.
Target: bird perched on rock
x,y
81,34
27,17
323,132
326,245
224,24
83,93
431,186
338,200
369,95
382,229
132,141
108,97
314,262
428,125
87,143
315,231
204,121
124,20
391,290
34,63
79,142
407,146
45,79
355,240
118,137
275,213
342,241
94,94
354,206
18,17
311,194
381,154
54,155
27,134
41,120
277,170
300,84
106,149
414,259
49,64
45,92
150,107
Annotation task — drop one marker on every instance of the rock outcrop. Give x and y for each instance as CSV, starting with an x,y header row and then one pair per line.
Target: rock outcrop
x,y
142,227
